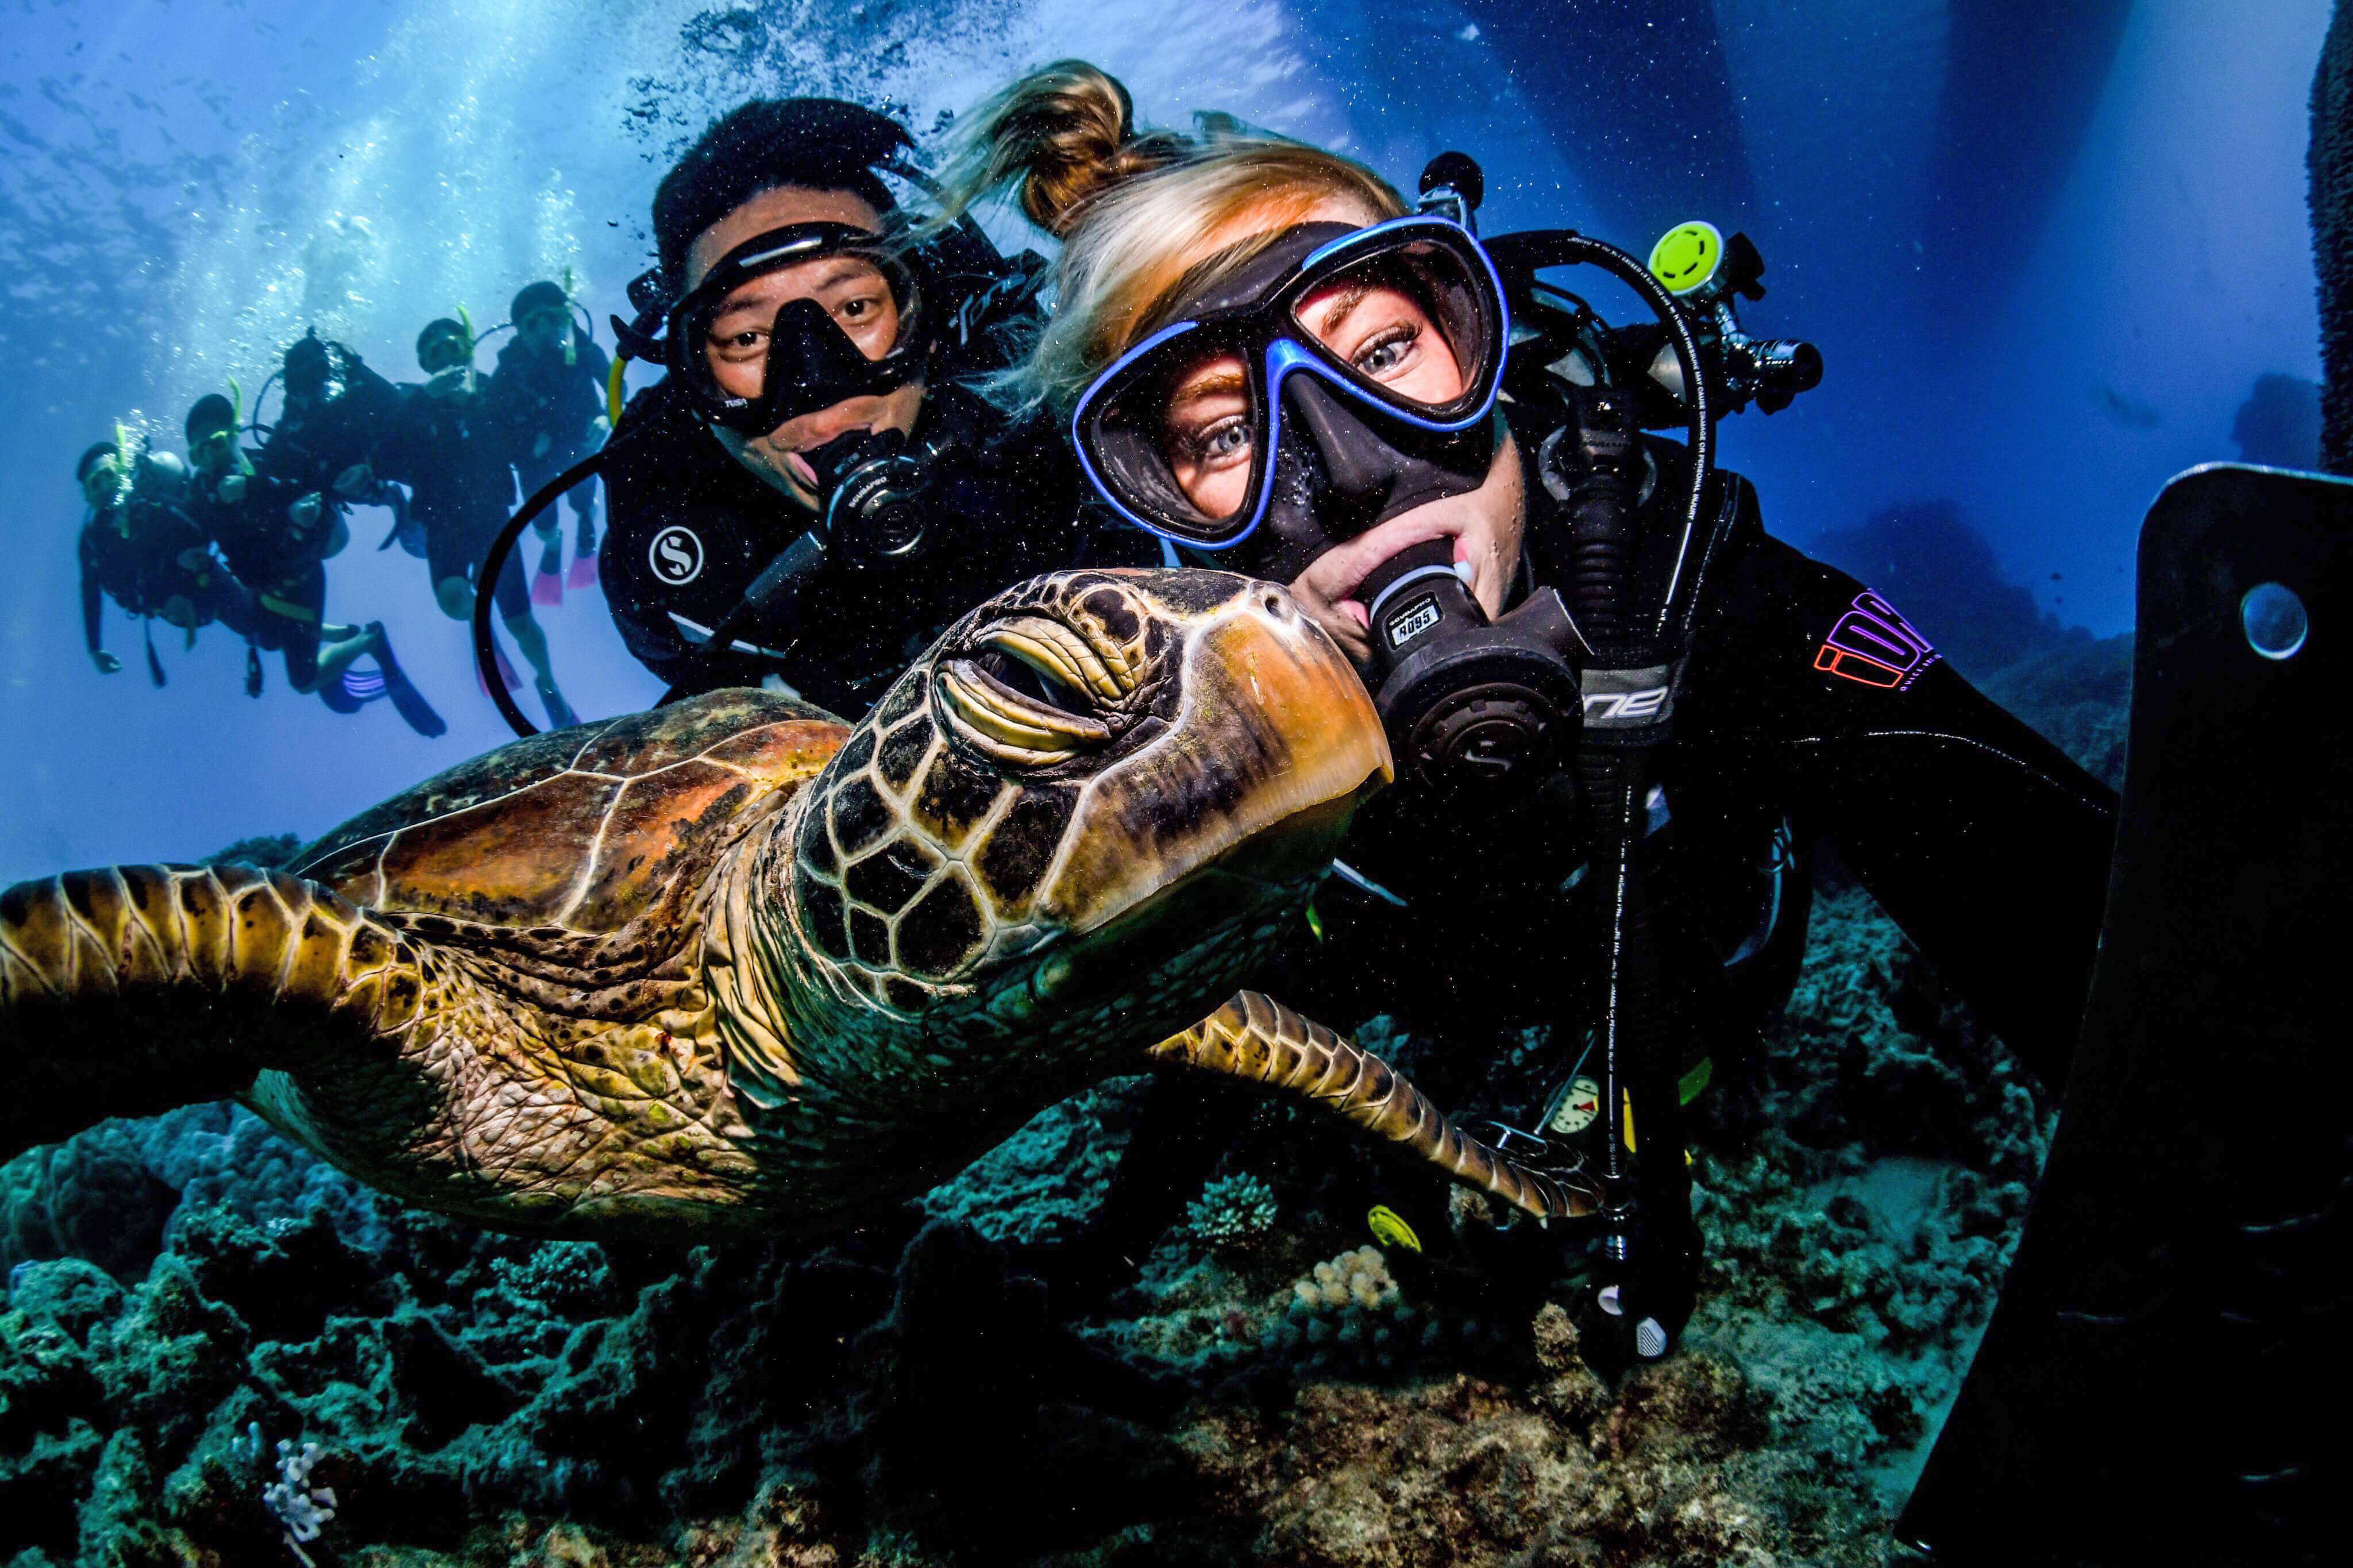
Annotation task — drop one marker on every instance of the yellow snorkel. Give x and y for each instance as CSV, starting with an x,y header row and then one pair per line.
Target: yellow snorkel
x,y
466,324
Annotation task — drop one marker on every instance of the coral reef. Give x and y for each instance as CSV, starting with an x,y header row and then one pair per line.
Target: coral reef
x,y
1236,1211
178,1285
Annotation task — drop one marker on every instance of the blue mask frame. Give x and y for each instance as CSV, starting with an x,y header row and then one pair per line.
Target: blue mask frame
x,y
1265,334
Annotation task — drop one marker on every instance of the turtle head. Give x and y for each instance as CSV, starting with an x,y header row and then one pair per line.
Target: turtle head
x,y
1093,778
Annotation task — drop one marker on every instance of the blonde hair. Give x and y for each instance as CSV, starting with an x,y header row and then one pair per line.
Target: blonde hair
x,y
1145,217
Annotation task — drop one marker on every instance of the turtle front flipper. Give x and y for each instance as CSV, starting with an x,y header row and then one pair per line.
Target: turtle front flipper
x,y
135,989
1259,1039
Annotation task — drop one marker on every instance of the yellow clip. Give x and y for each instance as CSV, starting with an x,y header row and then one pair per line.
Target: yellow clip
x,y
1314,922
1389,1228
613,390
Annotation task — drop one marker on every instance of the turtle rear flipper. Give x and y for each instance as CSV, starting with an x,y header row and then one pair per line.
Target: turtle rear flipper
x,y
135,989
1259,1039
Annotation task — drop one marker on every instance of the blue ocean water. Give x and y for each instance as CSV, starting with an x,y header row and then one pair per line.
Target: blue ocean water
x,y
2046,252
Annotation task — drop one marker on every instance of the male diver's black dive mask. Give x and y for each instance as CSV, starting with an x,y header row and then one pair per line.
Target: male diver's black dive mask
x,y
811,362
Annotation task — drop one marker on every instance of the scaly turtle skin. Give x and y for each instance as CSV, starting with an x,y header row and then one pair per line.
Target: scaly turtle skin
x,y
733,966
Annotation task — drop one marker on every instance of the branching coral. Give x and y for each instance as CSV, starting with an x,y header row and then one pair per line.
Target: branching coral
x,y
301,1509
1233,1213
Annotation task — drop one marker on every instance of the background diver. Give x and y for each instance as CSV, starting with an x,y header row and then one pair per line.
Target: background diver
x,y
449,444
139,547
550,387
1376,470
275,534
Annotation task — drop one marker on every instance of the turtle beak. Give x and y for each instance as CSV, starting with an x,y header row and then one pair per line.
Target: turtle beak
x,y
1274,745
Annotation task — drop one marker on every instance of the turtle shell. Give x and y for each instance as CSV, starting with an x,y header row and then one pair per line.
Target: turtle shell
x,y
582,831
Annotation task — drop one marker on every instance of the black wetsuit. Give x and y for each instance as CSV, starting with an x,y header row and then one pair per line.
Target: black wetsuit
x,y
1812,716
282,560
279,559
551,407
693,527
149,555
455,454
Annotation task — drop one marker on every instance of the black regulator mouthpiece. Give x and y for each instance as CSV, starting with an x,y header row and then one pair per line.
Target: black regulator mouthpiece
x,y
871,484
1468,704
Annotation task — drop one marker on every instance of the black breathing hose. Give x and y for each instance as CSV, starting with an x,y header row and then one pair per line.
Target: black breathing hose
x,y
1520,256
486,642
1613,764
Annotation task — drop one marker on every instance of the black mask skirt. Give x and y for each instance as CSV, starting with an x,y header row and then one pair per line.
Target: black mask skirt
x,y
811,362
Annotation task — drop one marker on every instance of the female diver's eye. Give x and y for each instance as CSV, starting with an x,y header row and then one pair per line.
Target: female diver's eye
x,y
1388,350
1227,440
1216,445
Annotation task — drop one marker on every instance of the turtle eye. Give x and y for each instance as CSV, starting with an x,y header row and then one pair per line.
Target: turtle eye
x,y
1028,694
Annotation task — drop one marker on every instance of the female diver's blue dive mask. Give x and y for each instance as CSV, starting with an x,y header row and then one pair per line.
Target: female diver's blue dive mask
x,y
1313,437
1279,416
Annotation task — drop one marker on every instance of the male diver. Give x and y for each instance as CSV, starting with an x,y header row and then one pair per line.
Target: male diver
x,y
275,533
550,386
140,547
809,495
450,446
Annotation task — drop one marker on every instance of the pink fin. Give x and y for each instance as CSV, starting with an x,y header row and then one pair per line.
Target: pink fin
x,y
583,574
547,585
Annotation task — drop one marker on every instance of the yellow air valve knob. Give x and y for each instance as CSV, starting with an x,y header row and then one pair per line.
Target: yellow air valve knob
x,y
1687,256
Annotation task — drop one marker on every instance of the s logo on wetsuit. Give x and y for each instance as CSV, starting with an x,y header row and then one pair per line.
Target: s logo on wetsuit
x,y
676,556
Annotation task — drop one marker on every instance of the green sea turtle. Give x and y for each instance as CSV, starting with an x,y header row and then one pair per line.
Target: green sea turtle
x,y
733,966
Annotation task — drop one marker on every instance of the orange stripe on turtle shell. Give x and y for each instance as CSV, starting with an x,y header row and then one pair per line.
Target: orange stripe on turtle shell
x,y
516,861
700,726
664,831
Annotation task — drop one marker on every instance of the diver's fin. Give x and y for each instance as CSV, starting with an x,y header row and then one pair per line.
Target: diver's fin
x,y
349,691
1259,1039
406,699
547,583
2163,1377
130,990
584,556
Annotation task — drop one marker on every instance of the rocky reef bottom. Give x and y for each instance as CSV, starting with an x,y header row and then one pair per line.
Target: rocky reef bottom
x,y
186,1292
214,1350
